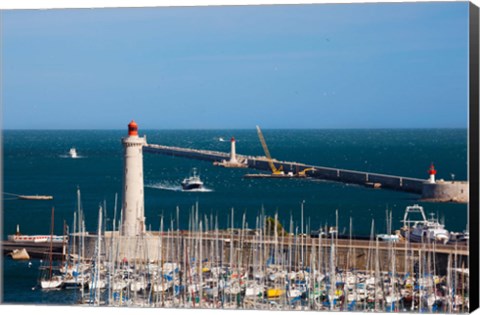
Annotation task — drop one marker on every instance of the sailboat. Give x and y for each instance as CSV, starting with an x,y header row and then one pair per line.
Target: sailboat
x,y
51,281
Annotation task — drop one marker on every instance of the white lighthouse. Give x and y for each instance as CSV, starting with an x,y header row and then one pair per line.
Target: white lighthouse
x,y
233,155
133,200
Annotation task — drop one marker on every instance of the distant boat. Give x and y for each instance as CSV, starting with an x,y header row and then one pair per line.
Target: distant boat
x,y
192,182
73,153
35,197
221,139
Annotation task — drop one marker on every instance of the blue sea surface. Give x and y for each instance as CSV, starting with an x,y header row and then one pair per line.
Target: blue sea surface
x,y
36,162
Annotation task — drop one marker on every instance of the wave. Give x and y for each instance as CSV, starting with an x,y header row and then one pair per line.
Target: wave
x,y
175,187
66,156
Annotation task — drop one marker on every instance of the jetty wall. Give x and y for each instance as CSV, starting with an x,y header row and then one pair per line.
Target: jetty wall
x,y
446,191
440,191
181,246
375,180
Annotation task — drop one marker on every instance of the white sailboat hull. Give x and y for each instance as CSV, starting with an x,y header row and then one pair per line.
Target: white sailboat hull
x,y
51,284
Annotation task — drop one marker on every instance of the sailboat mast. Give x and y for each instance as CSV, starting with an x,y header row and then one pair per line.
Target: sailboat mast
x,y
51,244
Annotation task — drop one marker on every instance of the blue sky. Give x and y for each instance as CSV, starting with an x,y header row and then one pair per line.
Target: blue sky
x,y
399,65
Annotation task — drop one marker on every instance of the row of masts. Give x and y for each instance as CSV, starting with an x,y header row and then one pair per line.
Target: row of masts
x,y
266,267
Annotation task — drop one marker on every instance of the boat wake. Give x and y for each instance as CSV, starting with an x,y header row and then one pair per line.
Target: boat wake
x,y
176,187
66,156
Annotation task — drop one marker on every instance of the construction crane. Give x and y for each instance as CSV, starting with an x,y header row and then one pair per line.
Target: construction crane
x,y
275,171
304,172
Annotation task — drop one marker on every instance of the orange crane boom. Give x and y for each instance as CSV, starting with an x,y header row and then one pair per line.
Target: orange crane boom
x,y
267,153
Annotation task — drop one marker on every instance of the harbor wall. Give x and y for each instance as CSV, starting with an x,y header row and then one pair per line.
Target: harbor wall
x,y
374,180
441,191
446,191
181,247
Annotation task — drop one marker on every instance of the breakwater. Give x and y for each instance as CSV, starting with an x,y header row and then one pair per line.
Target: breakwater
x,y
439,191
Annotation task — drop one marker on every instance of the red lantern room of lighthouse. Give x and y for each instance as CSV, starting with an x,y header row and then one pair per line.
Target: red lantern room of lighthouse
x,y
132,128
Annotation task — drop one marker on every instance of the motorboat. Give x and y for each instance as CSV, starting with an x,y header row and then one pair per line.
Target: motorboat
x,y
423,230
192,182
73,153
388,237
459,237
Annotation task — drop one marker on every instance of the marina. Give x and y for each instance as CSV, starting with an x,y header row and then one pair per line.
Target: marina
x,y
264,267
420,267
279,157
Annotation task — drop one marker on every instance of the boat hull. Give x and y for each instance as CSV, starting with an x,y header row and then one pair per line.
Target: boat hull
x,y
191,186
54,283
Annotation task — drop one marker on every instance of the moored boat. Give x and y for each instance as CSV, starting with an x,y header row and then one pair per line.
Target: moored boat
x,y
423,230
20,254
48,280
53,283
20,238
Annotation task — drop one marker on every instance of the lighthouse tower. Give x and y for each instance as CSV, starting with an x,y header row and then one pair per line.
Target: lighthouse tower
x,y
133,202
432,171
233,155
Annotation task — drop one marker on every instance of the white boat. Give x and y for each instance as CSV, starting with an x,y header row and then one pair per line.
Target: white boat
x,y
52,283
73,153
192,182
20,254
94,284
138,285
119,284
459,236
423,230
35,197
76,281
19,237
48,280
388,237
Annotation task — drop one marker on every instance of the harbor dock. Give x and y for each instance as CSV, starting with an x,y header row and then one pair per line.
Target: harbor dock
x,y
147,248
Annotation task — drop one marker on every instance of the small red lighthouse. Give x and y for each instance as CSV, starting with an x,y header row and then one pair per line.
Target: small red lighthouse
x,y
432,171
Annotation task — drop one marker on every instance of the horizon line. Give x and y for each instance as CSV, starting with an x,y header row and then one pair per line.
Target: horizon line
x,y
214,129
